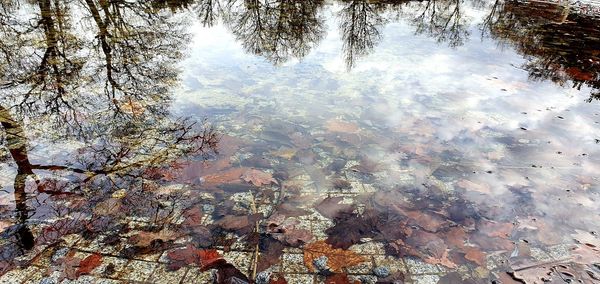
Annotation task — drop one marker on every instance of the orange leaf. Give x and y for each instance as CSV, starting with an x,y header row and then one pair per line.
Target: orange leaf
x,y
89,263
336,258
208,256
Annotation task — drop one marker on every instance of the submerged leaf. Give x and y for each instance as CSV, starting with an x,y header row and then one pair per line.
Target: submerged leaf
x,y
336,258
89,263
336,125
205,258
258,178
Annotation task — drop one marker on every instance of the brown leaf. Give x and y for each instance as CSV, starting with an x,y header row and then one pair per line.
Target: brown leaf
x,y
271,251
427,220
336,258
339,278
336,125
191,255
234,223
277,279
193,216
132,107
495,229
284,229
182,257
427,246
226,176
286,153
534,275
68,267
89,263
228,274
144,239
330,207
258,178
108,207
475,255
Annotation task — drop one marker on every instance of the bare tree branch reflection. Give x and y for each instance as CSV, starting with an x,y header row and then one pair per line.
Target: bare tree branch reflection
x,y
561,45
360,25
277,30
99,91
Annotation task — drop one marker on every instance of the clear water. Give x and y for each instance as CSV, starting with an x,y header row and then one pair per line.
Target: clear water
x,y
450,132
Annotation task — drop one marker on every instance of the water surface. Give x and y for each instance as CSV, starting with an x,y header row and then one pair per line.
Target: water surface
x,y
458,136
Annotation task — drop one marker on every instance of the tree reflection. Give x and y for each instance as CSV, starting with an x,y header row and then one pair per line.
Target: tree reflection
x,y
562,45
98,91
277,30
443,20
360,25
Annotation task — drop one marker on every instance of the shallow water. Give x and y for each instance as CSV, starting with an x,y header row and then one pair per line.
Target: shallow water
x,y
439,141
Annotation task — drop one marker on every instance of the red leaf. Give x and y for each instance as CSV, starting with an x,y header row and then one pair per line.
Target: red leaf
x,y
89,263
208,256
182,257
339,279
191,255
277,279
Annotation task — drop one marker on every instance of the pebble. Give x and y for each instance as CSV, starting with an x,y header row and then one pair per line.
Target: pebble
x,y
381,271
320,263
263,277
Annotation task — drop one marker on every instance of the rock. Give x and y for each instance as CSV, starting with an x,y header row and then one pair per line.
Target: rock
x,y
263,277
381,271
320,263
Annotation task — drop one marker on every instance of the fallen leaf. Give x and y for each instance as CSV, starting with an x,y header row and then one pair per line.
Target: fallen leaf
x,y
454,278
89,263
236,223
271,251
475,255
144,239
227,273
429,221
226,176
68,267
336,258
208,256
4,224
132,107
330,207
339,278
205,258
277,279
193,216
286,153
495,229
258,178
108,207
472,186
534,275
285,230
336,125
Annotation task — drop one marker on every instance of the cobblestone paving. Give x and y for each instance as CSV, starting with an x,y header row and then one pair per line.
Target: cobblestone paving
x,y
153,268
